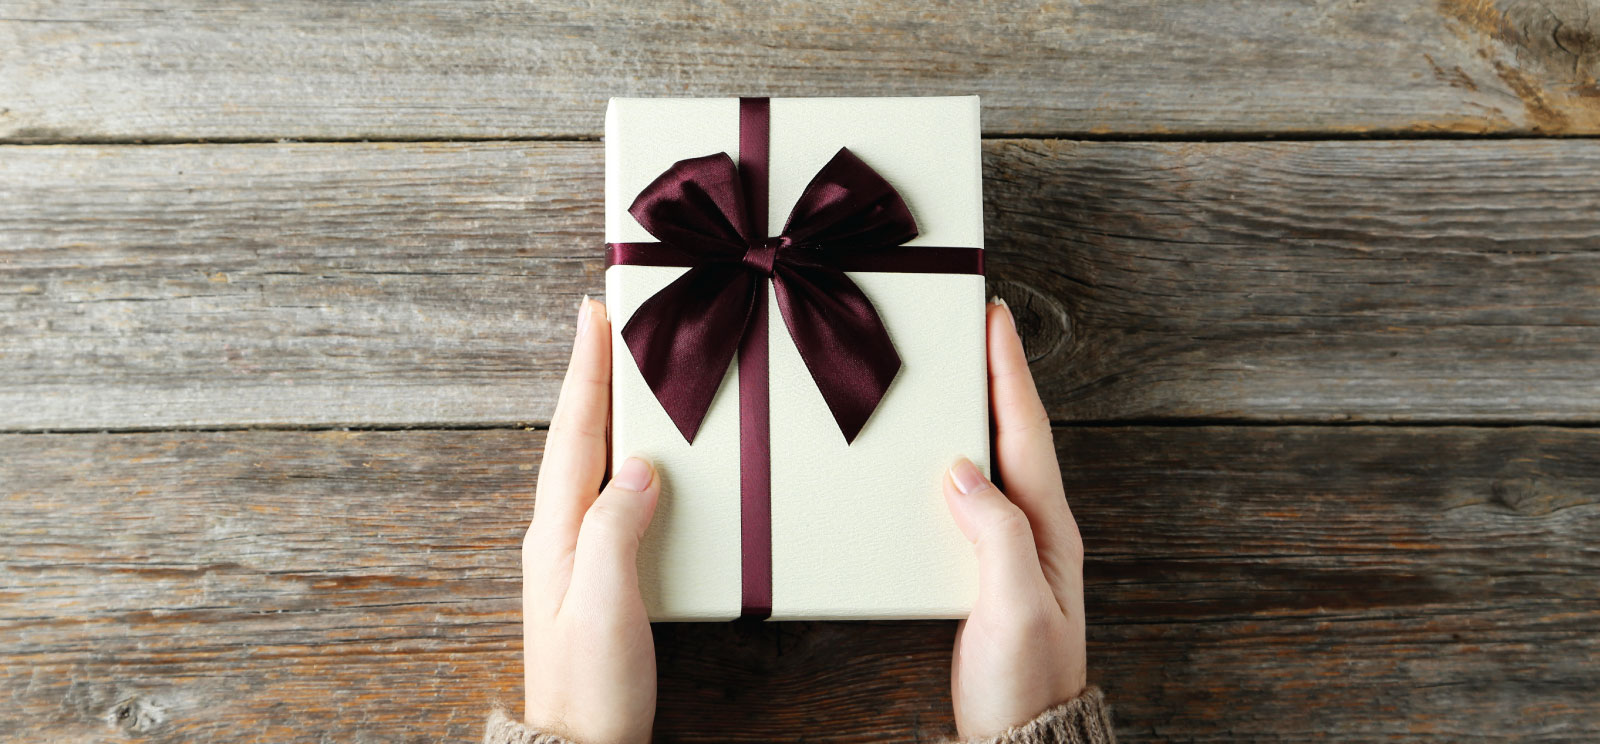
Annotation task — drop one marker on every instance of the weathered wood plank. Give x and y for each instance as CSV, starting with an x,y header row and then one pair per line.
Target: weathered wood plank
x,y
416,284
383,284
1310,281
440,69
1248,583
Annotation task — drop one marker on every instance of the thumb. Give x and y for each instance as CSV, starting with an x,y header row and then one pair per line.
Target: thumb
x,y
1008,562
605,558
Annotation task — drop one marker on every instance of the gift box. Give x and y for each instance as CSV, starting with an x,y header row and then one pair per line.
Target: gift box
x,y
798,315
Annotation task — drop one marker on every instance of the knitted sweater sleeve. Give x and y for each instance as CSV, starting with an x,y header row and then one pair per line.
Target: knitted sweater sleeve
x,y
1082,720
1085,719
503,729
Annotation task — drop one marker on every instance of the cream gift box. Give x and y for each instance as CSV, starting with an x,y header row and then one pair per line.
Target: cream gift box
x,y
858,530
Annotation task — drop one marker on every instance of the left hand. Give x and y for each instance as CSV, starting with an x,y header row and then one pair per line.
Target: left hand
x,y
589,660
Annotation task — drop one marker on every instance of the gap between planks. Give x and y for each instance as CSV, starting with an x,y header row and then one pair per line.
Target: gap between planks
x,y
1400,135
1156,423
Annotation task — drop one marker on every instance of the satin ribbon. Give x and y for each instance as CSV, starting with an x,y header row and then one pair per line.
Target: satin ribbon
x,y
710,215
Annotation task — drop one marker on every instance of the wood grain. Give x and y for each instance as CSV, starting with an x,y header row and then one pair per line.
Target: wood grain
x,y
292,284
447,69
1244,584
434,284
1303,281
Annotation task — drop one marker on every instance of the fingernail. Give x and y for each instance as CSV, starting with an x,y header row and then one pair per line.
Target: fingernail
x,y
583,315
1000,302
633,475
967,477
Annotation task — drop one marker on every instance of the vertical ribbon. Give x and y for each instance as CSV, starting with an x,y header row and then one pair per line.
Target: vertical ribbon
x,y
755,396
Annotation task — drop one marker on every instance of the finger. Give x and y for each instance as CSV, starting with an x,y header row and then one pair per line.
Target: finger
x,y
1025,451
546,574
605,563
1026,458
1008,563
575,450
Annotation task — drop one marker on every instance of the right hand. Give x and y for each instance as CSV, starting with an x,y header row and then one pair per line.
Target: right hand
x,y
1021,650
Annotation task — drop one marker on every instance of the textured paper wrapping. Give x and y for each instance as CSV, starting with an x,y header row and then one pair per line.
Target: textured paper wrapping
x,y
861,530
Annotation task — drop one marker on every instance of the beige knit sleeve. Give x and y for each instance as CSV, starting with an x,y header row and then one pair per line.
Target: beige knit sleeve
x,y
503,729
1083,720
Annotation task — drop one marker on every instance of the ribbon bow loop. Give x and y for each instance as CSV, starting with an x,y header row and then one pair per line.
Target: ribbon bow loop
x,y
848,206
697,205
684,337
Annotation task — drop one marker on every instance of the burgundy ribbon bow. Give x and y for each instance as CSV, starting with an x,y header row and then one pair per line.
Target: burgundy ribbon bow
x,y
684,337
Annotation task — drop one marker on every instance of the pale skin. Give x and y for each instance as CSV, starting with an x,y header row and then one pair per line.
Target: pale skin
x,y
589,660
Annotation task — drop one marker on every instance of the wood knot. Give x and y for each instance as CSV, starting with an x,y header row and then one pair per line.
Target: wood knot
x,y
1547,52
1044,324
136,715
1557,33
1529,496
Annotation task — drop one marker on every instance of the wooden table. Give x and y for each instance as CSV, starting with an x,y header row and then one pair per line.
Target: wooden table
x,y
1312,290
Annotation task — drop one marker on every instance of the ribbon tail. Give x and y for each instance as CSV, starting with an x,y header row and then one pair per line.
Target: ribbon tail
x,y
841,339
684,337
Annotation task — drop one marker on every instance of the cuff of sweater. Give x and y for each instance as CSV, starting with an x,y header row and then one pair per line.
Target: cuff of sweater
x,y
1082,720
503,729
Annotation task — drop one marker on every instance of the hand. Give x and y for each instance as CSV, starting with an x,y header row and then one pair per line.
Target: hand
x,y
1021,651
589,661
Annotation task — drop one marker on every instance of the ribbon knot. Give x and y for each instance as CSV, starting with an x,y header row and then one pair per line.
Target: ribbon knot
x,y
761,256
684,337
